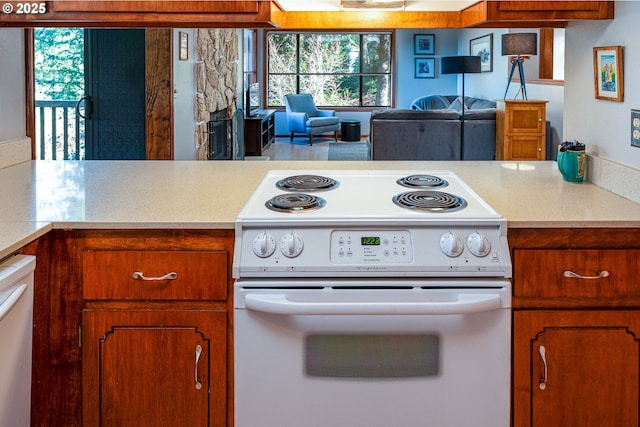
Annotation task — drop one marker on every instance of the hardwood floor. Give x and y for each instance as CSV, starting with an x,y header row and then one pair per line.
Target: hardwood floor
x,y
299,149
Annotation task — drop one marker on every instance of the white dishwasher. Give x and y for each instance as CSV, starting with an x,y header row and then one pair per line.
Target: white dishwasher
x,y
16,336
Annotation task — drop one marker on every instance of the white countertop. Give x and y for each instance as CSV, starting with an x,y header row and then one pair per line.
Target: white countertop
x,y
38,196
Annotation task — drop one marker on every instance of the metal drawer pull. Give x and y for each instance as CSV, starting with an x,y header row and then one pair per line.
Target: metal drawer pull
x,y
198,353
137,275
601,274
543,356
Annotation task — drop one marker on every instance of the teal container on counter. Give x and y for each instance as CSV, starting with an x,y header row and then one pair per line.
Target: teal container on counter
x,y
572,161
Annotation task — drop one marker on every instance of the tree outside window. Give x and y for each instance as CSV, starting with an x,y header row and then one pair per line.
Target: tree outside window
x,y
337,69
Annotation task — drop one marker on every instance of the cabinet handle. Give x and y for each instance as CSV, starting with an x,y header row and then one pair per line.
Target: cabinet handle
x,y
543,356
137,275
198,384
600,274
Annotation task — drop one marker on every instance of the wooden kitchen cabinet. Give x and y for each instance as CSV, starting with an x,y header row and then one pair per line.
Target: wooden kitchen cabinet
x,y
104,6
156,6
513,13
521,130
155,329
140,13
259,132
154,367
102,338
575,329
592,377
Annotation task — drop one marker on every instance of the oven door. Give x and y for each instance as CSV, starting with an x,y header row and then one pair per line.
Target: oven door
x,y
351,353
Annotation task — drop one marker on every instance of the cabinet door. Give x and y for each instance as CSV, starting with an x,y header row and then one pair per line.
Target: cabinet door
x,y
526,119
154,368
576,368
525,147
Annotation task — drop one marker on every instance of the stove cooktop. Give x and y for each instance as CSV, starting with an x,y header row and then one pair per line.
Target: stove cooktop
x,y
357,224
385,195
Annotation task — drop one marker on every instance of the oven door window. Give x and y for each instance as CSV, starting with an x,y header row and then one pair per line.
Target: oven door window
x,y
372,355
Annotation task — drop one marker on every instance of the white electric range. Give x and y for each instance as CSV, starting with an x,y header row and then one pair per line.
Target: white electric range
x,y
371,298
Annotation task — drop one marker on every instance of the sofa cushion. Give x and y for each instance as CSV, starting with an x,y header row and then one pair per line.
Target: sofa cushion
x,y
430,102
479,103
480,114
322,121
402,114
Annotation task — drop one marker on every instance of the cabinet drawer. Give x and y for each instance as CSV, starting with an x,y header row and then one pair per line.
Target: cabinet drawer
x,y
588,273
199,275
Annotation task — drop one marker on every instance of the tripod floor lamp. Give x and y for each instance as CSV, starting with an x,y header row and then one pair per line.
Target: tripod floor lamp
x,y
519,46
460,65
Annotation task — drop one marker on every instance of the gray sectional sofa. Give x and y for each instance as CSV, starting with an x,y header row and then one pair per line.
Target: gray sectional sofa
x,y
430,130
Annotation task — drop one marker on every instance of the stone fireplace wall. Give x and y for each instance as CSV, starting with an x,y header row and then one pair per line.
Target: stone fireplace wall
x,y
217,62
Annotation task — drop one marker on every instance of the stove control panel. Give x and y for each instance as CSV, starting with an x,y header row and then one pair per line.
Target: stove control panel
x,y
350,246
436,251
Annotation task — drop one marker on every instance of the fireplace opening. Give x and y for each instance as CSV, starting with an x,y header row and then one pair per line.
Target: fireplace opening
x,y
225,135
219,135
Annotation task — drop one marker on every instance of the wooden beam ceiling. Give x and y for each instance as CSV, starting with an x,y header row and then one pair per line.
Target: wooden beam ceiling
x,y
366,19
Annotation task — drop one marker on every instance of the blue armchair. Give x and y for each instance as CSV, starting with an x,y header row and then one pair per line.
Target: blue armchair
x,y
304,117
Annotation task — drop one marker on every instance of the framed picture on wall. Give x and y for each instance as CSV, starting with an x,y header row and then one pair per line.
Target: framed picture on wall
x,y
424,44
483,47
425,68
608,77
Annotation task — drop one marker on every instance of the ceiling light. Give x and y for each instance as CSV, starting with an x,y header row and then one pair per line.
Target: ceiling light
x,y
373,4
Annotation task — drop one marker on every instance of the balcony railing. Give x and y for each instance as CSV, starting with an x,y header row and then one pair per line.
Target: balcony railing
x,y
60,131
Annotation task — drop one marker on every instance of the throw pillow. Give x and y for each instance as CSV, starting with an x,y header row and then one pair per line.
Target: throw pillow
x,y
457,105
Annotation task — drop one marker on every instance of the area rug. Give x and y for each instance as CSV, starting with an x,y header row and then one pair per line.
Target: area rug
x,y
348,151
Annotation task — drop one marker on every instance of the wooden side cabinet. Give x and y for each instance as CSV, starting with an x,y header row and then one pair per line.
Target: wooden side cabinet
x,y
259,132
521,130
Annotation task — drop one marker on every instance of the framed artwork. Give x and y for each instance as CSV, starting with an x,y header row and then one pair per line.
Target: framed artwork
x,y
424,44
425,68
183,51
483,47
608,73
635,128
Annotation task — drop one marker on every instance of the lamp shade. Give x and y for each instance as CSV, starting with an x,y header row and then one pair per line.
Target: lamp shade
x,y
519,44
460,64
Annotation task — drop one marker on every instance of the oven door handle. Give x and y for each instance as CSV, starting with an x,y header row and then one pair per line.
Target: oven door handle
x,y
280,304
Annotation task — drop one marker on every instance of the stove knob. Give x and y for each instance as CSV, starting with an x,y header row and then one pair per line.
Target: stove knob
x,y
291,245
478,244
264,245
451,244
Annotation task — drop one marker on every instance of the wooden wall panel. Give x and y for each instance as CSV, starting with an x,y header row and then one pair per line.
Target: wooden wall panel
x,y
159,99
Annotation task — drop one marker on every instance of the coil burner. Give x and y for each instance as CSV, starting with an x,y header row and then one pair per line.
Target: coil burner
x,y
422,181
307,183
433,201
295,202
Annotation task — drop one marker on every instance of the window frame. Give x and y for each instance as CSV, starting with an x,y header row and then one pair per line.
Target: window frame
x,y
361,33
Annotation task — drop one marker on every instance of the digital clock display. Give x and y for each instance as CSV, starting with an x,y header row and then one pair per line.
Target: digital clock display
x,y
370,241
